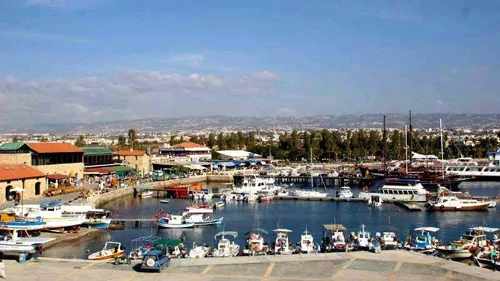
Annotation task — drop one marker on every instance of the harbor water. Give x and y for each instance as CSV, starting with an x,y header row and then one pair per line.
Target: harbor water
x,y
294,215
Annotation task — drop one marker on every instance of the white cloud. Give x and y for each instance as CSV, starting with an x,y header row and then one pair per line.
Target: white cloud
x,y
286,111
127,95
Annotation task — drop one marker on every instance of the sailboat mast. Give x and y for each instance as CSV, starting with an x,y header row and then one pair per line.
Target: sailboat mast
x,y
442,149
406,149
385,148
410,137
312,179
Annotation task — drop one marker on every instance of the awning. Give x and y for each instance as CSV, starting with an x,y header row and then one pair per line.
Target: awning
x,y
57,177
195,167
227,164
100,171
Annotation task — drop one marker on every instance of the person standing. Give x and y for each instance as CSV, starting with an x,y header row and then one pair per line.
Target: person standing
x,y
2,269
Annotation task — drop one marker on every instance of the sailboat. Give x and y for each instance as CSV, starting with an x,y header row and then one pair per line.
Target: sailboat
x,y
308,191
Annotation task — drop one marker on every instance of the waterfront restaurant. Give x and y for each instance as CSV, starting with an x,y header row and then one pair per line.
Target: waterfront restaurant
x,y
189,151
20,181
57,161
96,160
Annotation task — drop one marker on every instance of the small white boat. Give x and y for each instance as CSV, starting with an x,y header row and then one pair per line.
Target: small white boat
x,y
375,201
256,244
199,252
147,194
11,242
226,248
388,240
164,201
219,204
174,221
363,239
109,251
282,246
345,192
307,243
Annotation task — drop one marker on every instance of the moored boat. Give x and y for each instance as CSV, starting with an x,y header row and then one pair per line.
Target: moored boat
x,y
225,247
174,221
423,240
14,242
471,240
281,244
453,203
110,250
399,189
256,245
307,244
147,194
345,192
362,240
334,238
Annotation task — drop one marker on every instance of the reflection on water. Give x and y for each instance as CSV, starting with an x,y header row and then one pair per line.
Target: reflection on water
x,y
295,215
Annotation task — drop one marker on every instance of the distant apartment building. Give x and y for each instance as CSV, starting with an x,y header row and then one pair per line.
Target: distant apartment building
x,y
188,151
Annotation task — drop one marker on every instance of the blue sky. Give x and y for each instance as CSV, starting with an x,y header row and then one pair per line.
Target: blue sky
x,y
100,60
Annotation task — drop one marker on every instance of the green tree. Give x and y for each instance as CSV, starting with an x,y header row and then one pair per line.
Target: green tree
x,y
211,140
122,142
80,141
221,143
132,137
15,139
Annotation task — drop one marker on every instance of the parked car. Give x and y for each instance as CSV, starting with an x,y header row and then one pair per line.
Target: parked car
x,y
155,260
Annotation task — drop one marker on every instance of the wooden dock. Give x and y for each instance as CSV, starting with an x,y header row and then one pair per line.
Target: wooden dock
x,y
410,206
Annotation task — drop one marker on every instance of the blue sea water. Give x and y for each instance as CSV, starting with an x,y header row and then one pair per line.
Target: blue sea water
x,y
294,215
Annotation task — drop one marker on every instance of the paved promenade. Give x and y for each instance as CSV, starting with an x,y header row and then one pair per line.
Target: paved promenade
x,y
389,265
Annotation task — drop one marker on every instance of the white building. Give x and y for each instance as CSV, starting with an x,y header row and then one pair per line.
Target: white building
x,y
237,155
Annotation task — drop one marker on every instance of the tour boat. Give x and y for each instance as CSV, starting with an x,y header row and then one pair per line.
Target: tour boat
x,y
174,221
225,247
307,243
345,192
256,244
453,203
109,251
423,240
398,190
11,242
491,171
282,247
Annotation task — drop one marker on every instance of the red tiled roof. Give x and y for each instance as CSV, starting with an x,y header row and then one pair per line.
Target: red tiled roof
x,y
189,145
57,177
18,171
53,147
130,152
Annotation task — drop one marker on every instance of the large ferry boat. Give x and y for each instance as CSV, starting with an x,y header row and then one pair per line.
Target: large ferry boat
x,y
488,172
396,189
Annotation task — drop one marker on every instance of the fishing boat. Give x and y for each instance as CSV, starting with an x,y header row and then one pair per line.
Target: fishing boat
x,y
147,194
453,203
374,246
345,192
423,240
307,243
471,240
174,221
13,242
225,247
97,218
174,247
483,259
362,241
164,201
20,223
281,246
200,217
55,217
110,250
334,240
388,240
256,245
142,245
198,251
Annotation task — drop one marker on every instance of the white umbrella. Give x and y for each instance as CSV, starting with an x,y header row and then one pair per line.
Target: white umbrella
x,y
17,189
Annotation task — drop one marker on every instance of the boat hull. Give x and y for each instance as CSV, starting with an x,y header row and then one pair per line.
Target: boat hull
x,y
478,207
213,222
167,225
105,257
454,254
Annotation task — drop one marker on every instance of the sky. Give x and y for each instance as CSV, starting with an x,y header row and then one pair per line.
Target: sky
x,y
74,61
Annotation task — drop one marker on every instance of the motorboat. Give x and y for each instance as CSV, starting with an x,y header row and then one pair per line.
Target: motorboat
x,y
20,223
97,218
282,247
57,218
345,192
174,221
374,246
225,247
484,258
388,240
175,248
164,201
220,204
142,245
247,197
147,194
202,195
256,245
472,239
453,203
198,252
307,244
423,240
400,189
362,241
13,242
375,201
110,250
334,238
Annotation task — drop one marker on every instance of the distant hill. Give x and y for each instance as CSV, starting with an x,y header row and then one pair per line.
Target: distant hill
x,y
217,123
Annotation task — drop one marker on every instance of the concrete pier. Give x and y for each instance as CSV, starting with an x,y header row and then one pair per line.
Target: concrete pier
x,y
388,265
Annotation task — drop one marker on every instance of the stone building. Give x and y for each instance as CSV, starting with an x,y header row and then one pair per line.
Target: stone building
x,y
136,159
31,180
